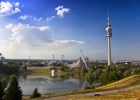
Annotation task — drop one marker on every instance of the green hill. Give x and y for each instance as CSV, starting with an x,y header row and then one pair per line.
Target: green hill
x,y
129,81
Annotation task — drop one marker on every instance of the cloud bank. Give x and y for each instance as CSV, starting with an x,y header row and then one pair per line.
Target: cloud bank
x,y
9,8
35,41
27,36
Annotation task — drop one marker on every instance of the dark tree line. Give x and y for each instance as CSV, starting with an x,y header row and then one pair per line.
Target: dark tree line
x,y
10,68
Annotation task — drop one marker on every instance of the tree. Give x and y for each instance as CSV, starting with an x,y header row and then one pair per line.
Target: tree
x,y
127,73
63,67
35,93
1,91
4,82
13,91
136,70
104,78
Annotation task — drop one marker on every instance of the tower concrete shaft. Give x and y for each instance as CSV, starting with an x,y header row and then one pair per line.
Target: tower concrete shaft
x,y
109,35
109,50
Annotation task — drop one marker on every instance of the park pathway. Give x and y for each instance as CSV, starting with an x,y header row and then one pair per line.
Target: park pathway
x,y
93,93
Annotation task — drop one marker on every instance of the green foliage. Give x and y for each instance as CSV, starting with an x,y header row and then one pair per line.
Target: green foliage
x,y
106,74
63,68
104,78
36,64
35,93
13,91
110,74
9,68
90,77
1,91
4,82
136,70
127,73
84,71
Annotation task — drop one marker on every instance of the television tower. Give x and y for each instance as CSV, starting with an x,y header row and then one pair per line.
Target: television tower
x,y
109,35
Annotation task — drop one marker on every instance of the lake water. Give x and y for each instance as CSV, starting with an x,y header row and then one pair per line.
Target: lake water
x,y
48,85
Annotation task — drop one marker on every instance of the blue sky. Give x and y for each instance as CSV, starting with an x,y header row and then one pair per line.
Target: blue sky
x,y
40,28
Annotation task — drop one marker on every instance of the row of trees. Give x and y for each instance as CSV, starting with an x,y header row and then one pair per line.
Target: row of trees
x,y
103,74
10,68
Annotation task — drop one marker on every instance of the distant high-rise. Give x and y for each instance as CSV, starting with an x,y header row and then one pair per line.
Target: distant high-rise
x,y
53,57
109,35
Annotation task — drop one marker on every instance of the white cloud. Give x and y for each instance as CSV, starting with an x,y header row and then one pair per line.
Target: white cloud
x,y
17,4
24,17
9,26
43,28
50,18
43,19
34,41
26,35
67,43
38,19
64,44
35,36
8,8
61,11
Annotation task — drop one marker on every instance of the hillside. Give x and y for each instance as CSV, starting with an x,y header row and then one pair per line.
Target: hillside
x,y
133,94
129,81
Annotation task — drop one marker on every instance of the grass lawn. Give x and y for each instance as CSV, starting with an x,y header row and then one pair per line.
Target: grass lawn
x,y
39,71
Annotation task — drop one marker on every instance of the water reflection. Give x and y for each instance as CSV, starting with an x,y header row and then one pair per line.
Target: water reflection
x,y
48,85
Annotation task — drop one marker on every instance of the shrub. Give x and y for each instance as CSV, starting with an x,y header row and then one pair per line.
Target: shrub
x,y
35,93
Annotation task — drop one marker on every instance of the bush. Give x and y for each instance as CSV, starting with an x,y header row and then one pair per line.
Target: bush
x,y
63,68
35,93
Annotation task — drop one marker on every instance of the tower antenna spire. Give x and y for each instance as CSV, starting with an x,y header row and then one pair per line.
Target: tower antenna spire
x,y
108,18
